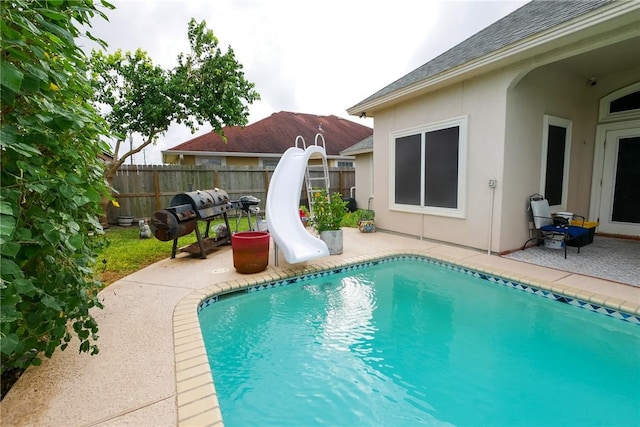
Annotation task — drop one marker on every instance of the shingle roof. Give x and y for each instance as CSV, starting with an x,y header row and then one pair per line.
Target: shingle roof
x,y
364,146
532,18
276,133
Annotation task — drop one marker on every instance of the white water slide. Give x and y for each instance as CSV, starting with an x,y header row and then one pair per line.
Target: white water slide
x,y
283,204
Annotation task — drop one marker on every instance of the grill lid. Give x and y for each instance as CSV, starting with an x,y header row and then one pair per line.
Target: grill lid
x,y
206,203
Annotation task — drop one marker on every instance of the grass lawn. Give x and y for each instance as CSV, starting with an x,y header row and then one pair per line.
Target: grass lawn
x,y
127,253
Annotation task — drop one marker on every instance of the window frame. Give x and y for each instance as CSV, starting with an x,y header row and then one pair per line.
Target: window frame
x,y
212,161
268,162
460,210
345,164
605,116
549,120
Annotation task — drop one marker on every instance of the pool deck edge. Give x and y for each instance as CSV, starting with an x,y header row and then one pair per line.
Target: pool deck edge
x,y
151,369
213,415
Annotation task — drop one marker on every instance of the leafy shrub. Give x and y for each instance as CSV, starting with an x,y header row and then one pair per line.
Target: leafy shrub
x,y
52,182
366,214
327,211
350,220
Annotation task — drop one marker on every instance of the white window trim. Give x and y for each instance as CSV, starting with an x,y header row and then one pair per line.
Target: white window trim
x,y
605,102
460,212
350,165
567,124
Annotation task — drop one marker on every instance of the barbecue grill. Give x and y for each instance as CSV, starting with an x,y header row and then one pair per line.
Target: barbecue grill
x,y
186,209
248,205
182,217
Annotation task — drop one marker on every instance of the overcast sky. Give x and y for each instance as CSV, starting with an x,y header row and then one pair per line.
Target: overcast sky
x,y
307,57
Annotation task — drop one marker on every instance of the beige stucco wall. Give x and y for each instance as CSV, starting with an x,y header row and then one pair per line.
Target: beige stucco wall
x,y
546,90
482,100
557,92
505,125
364,180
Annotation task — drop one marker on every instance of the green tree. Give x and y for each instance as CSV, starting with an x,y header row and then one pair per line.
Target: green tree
x,y
207,86
52,180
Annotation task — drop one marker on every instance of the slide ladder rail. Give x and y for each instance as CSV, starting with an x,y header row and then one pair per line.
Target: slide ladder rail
x,y
304,144
316,184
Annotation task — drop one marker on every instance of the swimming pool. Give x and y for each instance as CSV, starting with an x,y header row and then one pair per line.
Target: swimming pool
x,y
403,341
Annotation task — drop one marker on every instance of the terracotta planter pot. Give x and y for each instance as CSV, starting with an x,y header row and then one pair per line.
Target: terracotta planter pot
x,y
250,251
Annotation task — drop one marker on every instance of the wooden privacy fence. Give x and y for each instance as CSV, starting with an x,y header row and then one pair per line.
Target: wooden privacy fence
x,y
142,190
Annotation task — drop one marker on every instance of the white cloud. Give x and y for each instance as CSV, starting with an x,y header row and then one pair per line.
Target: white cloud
x,y
308,57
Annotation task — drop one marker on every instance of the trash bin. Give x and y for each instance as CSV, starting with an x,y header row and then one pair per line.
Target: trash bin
x,y
587,238
250,251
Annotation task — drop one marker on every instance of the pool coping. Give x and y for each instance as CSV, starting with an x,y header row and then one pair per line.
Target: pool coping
x,y
196,397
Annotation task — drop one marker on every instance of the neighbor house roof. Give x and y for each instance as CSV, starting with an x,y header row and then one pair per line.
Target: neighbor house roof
x,y
278,132
531,19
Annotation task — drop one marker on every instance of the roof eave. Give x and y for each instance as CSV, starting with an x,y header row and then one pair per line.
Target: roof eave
x,y
339,157
356,152
218,154
236,154
495,59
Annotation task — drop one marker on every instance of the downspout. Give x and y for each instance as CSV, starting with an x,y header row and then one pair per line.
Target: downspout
x,y
492,186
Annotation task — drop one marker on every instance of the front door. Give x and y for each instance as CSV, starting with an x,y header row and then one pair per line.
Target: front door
x,y
619,211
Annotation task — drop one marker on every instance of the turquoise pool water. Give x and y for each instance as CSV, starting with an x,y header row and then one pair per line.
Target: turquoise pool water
x,y
410,343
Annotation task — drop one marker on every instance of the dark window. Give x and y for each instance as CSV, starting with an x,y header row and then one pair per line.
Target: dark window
x,y
555,164
625,103
427,168
408,170
441,168
626,203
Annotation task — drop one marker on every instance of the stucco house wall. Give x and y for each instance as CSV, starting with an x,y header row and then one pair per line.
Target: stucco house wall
x,y
482,101
364,181
544,91
549,90
557,61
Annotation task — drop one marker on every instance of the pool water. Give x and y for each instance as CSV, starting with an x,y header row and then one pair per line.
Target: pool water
x,y
410,343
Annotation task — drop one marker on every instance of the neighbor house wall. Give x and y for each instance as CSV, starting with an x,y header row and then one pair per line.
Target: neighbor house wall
x,y
482,100
364,180
242,161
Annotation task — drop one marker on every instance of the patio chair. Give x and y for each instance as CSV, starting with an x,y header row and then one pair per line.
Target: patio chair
x,y
557,228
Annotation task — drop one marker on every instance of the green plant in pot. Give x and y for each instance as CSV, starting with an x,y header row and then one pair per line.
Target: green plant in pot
x,y
366,221
327,214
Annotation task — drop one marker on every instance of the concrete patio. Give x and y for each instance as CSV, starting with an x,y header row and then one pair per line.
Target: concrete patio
x,y
132,381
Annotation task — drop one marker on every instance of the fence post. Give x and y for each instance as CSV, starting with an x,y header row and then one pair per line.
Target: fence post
x,y
141,195
156,188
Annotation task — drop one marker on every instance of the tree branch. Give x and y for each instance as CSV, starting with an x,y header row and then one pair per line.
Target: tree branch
x,y
112,169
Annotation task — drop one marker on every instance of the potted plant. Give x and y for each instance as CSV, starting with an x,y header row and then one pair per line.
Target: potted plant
x,y
366,221
328,212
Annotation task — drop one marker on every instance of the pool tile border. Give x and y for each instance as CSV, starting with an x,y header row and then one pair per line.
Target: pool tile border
x,y
197,399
